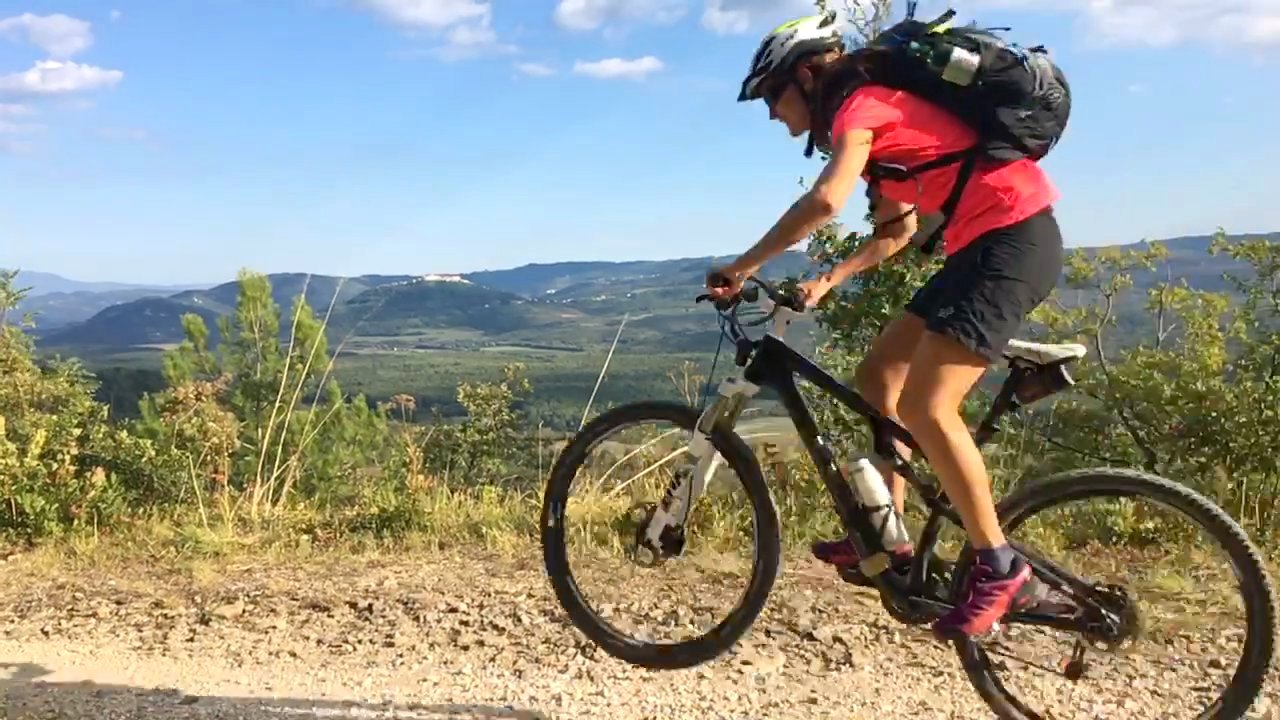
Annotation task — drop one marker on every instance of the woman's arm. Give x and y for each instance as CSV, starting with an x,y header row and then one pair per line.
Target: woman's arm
x,y
821,204
895,223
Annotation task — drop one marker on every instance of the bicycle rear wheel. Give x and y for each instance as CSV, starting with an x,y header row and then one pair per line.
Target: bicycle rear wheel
x,y
1142,594
557,537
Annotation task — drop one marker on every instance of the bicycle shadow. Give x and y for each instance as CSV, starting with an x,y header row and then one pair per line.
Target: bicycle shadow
x,y
25,696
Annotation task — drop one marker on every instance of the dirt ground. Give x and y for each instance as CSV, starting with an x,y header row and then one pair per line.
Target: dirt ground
x,y
482,637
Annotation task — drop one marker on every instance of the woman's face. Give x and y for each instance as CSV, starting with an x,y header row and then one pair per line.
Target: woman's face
x,y
786,103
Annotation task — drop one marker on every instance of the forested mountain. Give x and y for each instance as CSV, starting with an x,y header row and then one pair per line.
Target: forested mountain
x,y
569,305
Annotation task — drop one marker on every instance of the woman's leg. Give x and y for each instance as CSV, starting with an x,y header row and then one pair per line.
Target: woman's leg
x,y
879,380
997,282
941,374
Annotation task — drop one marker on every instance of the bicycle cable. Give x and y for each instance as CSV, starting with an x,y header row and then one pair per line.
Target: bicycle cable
x,y
706,387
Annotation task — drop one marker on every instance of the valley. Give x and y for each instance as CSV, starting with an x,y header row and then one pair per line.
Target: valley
x,y
423,334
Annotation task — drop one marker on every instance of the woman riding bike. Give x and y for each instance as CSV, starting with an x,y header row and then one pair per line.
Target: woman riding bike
x,y
1004,254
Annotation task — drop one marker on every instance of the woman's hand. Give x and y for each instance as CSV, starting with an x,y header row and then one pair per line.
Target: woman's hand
x,y
724,283
814,290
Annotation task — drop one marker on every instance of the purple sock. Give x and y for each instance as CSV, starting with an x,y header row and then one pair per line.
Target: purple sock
x,y
999,559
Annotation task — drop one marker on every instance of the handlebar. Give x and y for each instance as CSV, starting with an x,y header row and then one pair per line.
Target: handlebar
x,y
728,309
750,292
790,300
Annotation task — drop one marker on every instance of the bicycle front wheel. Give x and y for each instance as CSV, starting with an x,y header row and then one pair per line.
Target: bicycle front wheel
x,y
620,493
1120,634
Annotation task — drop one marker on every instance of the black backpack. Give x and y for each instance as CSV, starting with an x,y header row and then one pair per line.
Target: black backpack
x,y
1016,99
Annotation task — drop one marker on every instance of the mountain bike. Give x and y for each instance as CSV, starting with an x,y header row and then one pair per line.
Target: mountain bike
x,y
1096,614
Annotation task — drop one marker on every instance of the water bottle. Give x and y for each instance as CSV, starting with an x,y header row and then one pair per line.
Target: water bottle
x,y
874,495
961,67
954,63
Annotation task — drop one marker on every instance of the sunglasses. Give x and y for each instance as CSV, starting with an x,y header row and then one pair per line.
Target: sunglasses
x,y
774,91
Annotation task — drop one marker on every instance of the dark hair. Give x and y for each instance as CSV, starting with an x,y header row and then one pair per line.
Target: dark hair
x,y
836,77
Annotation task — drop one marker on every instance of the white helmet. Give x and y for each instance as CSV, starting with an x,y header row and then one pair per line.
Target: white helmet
x,y
786,43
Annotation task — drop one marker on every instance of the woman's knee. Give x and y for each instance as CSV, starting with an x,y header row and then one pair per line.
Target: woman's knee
x,y
879,377
940,379
920,409
875,382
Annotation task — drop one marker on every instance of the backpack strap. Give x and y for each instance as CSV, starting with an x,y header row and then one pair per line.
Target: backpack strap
x,y
953,200
968,158
897,173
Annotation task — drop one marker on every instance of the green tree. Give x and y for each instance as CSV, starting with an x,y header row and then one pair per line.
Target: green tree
x,y
488,444
63,466
1193,392
261,417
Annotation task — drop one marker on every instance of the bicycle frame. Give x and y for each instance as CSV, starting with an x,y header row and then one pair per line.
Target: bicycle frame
x,y
774,364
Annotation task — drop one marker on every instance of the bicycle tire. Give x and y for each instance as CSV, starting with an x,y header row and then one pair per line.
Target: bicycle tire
x,y
1257,587
768,542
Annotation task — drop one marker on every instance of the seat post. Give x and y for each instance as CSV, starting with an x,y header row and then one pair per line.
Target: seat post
x,y
1004,403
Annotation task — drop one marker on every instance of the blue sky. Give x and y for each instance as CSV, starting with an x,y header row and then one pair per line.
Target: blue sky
x,y
179,141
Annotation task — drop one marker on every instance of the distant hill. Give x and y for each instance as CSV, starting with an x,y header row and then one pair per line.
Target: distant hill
x,y
41,283
416,305
149,321
159,319
590,279
57,309
565,306
55,301
320,291
1190,260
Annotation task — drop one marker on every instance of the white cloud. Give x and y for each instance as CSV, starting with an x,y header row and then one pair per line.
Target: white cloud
x,y
533,69
116,15
591,14
466,25
54,77
59,35
1161,23
10,126
734,17
13,128
429,14
619,68
10,146
469,40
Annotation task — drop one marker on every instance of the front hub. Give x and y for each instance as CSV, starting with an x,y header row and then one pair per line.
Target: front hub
x,y
670,543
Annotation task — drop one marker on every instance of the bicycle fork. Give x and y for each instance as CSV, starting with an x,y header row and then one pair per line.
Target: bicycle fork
x,y
732,397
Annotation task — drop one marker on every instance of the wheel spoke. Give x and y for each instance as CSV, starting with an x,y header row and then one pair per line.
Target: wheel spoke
x,y
1113,593
632,608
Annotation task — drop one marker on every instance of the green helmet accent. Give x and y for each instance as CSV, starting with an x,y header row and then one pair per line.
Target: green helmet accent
x,y
785,44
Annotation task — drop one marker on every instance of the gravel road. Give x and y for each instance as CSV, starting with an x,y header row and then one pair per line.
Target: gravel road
x,y
436,638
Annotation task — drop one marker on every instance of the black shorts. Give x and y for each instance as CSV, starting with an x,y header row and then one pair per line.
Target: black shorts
x,y
984,293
